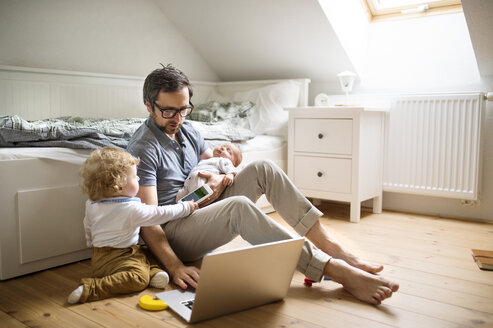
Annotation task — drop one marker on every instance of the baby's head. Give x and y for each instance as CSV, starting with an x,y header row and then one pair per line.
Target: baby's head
x,y
229,151
109,172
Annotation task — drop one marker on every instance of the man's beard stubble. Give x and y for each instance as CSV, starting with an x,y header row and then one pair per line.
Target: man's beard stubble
x,y
165,128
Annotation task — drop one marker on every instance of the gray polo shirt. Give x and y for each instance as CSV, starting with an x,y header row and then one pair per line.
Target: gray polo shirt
x,y
164,162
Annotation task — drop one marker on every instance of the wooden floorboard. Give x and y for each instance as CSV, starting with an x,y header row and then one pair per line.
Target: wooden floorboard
x,y
440,284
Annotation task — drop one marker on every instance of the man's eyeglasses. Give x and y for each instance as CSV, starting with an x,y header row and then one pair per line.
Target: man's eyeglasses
x,y
171,112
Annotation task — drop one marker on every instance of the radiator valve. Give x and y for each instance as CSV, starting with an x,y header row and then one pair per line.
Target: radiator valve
x,y
469,202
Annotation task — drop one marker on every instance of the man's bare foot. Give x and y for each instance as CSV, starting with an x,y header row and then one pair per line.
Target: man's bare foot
x,y
323,240
364,286
358,263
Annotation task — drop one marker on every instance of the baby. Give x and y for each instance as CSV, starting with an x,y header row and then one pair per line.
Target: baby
x,y
112,223
226,159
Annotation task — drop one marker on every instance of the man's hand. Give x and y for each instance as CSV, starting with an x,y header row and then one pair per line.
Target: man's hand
x,y
215,182
185,276
158,244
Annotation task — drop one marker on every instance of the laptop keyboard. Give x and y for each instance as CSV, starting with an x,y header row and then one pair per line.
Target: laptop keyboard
x,y
188,304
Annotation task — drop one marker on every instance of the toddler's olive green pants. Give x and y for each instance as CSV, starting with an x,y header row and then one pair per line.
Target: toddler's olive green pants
x,y
118,271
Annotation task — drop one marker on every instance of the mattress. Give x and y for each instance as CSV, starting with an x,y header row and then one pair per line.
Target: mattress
x,y
273,148
68,155
260,147
41,196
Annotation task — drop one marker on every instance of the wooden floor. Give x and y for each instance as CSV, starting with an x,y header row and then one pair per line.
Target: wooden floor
x,y
441,286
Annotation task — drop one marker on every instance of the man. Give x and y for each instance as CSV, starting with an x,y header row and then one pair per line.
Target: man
x,y
169,147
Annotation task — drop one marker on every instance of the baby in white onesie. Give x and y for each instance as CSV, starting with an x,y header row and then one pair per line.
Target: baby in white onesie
x,y
225,160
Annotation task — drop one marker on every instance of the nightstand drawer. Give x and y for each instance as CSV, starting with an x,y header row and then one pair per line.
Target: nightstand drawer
x,y
328,136
324,174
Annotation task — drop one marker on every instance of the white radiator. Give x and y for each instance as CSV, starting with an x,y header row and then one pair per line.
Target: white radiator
x,y
433,145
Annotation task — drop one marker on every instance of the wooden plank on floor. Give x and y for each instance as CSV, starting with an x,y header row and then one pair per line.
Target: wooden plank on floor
x,y
112,313
243,319
452,239
388,251
318,313
452,313
462,269
333,296
433,293
166,316
109,312
403,238
8,321
429,280
34,309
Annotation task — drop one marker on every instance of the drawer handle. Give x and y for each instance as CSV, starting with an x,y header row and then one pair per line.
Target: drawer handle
x,y
319,174
320,135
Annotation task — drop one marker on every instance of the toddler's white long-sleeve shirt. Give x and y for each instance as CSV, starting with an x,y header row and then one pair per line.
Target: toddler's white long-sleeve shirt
x,y
116,222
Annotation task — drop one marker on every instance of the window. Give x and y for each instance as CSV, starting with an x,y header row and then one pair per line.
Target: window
x,y
398,9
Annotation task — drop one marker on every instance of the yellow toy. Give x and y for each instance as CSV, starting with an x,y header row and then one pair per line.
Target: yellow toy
x,y
151,304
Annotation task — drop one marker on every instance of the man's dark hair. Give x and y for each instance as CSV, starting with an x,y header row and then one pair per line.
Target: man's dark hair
x,y
166,79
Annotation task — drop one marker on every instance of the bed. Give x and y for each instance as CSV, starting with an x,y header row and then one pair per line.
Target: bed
x,y
42,205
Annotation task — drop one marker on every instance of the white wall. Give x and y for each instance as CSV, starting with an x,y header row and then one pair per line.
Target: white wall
x,y
421,53
126,37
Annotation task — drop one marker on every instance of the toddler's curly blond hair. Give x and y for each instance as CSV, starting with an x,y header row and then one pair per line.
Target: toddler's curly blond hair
x,y
105,171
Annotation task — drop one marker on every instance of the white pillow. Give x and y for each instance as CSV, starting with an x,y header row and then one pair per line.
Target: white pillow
x,y
215,96
269,116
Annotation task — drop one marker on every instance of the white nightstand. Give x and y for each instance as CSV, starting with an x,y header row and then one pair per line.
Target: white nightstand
x,y
336,153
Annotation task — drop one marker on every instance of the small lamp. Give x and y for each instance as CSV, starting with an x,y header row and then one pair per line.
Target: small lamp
x,y
346,79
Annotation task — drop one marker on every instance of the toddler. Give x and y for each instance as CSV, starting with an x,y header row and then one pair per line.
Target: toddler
x,y
225,160
112,224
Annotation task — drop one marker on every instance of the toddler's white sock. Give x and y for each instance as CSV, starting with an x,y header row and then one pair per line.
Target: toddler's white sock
x,y
160,280
74,297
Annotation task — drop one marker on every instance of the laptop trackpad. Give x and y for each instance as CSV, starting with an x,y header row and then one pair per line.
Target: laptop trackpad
x,y
179,301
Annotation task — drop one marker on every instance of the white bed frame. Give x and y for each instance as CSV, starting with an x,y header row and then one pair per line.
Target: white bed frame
x,y
42,205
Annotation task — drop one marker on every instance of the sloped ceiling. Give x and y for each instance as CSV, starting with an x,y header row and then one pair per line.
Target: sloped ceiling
x,y
479,15
258,39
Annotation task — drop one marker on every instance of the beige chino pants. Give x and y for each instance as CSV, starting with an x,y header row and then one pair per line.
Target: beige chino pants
x,y
236,214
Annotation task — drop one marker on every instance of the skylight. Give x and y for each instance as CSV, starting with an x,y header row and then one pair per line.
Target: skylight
x,y
398,9
431,53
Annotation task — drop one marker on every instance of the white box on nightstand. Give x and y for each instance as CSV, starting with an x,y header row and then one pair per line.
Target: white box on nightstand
x,y
336,153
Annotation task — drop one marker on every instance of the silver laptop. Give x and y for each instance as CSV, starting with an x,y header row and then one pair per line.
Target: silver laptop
x,y
236,280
